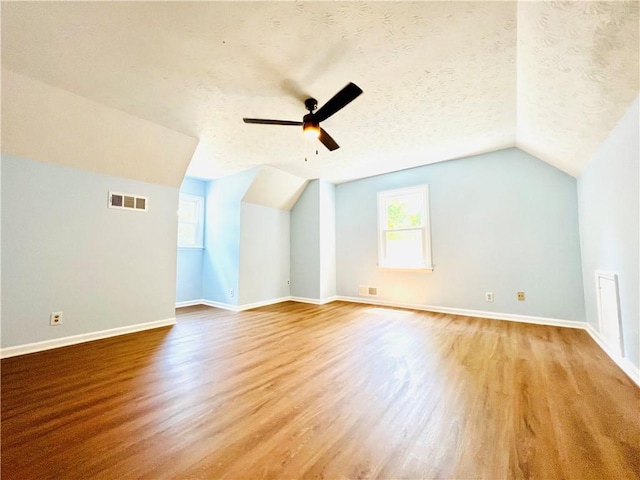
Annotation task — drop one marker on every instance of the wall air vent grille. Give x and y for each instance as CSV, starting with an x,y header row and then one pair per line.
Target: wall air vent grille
x,y
126,201
366,291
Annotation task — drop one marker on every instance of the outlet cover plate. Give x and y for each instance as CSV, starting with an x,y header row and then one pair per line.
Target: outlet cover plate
x,y
55,318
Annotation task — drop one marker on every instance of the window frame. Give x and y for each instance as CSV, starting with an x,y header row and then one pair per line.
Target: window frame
x,y
199,201
425,229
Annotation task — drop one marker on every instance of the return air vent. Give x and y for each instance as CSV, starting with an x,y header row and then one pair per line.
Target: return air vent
x,y
366,291
126,201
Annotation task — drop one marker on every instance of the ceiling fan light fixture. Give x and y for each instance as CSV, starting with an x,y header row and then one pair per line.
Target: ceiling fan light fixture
x,y
311,129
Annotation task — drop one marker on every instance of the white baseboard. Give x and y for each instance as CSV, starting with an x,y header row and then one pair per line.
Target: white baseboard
x,y
223,306
189,303
84,337
469,313
264,303
625,365
314,301
242,308
429,308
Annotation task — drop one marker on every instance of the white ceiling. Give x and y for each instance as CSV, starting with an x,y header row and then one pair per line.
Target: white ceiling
x,y
441,79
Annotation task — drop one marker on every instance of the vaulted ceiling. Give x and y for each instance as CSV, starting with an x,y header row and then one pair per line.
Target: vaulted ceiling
x,y
441,79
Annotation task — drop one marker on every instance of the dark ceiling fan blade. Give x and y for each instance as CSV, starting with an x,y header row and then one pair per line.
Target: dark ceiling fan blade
x,y
338,101
263,121
327,141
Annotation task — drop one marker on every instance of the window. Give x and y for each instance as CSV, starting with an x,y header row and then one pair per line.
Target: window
x,y
403,226
190,221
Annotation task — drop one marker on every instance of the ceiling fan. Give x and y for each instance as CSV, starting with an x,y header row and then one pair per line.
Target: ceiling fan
x,y
311,121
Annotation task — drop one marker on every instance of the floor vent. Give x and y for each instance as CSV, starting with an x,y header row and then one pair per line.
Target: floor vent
x,y
366,291
126,201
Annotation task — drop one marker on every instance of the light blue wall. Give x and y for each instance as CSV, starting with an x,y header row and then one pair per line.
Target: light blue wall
x,y
264,254
327,196
609,215
193,186
221,262
246,247
305,243
501,222
189,266
313,242
64,250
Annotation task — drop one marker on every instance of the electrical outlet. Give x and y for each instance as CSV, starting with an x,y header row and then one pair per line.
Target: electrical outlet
x,y
488,296
231,292
521,296
55,318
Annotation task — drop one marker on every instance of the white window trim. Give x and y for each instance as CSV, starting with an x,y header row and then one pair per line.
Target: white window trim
x,y
200,210
426,230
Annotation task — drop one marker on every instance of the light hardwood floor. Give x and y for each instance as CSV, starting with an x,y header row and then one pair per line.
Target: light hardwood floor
x,y
335,391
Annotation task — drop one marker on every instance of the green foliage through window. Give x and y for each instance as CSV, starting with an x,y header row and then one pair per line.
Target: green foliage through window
x,y
399,214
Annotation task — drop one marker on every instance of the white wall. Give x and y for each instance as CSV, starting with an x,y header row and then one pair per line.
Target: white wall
x,y
501,222
609,216
64,250
264,254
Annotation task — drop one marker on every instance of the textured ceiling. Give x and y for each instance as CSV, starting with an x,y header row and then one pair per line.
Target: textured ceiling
x,y
441,79
577,74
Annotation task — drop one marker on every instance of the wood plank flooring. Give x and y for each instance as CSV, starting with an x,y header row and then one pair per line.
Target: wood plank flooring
x,y
336,391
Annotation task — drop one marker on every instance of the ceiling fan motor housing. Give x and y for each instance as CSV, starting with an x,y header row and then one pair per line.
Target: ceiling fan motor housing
x,y
309,119
311,104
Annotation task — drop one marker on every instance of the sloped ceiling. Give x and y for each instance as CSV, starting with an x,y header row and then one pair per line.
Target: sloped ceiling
x,y
440,79
274,188
53,125
577,74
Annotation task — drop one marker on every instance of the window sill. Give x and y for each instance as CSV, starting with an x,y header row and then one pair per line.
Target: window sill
x,y
189,247
405,269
